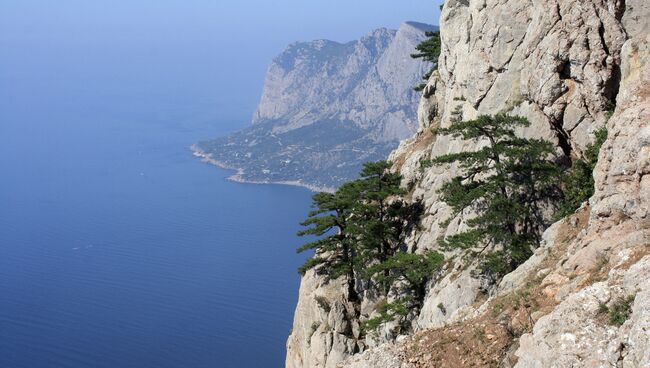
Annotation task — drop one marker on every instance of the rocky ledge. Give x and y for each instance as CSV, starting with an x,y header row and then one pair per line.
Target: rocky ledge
x,y
571,67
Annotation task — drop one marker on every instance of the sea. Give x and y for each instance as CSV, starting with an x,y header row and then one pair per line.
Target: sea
x,y
118,247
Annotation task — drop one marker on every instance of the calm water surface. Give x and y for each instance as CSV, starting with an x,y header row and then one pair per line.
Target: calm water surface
x,y
120,249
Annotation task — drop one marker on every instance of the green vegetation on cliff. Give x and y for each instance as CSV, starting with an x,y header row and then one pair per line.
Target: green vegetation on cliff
x,y
428,50
360,230
507,189
578,182
505,186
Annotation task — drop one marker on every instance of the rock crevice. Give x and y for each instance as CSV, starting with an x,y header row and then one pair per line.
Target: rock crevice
x,y
572,68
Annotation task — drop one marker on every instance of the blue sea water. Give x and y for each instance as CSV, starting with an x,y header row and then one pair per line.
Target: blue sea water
x,y
119,248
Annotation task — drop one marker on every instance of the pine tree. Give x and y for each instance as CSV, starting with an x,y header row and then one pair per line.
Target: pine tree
x,y
336,251
428,50
378,225
405,270
382,220
413,269
360,231
356,226
507,184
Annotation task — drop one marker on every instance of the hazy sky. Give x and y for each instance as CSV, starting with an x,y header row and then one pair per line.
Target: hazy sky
x,y
219,47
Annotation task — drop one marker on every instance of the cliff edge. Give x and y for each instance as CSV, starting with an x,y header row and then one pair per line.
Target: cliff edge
x,y
572,68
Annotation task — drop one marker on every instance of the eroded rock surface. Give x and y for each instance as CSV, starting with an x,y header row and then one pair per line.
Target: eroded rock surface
x,y
618,239
325,329
327,108
570,67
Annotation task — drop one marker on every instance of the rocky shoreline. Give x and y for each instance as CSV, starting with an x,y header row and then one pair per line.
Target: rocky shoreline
x,y
327,108
238,177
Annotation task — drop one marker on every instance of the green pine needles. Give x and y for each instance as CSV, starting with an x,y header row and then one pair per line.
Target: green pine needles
x,y
413,269
507,189
579,180
360,231
506,186
386,312
428,50
336,254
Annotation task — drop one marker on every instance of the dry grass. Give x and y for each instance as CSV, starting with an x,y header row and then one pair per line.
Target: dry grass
x,y
422,142
488,340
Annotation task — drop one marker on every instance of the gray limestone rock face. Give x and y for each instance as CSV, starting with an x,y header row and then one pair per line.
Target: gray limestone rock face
x,y
635,18
324,330
557,63
367,82
327,108
573,334
570,67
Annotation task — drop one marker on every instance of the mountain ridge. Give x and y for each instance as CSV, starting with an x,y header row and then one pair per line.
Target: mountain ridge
x,y
571,68
360,92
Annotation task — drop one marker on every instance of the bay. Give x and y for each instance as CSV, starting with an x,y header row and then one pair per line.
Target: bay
x,y
118,247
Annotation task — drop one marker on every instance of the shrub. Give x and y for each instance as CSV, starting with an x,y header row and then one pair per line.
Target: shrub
x,y
425,164
603,308
323,303
578,182
312,331
388,312
414,269
620,311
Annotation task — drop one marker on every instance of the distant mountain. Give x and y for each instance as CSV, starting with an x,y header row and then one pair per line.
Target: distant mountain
x,y
327,108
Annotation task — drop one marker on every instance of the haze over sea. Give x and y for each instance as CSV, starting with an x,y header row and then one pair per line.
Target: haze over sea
x,y
119,248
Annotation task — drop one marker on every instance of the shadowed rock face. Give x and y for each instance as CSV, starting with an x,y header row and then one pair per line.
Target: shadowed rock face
x,y
616,240
327,108
570,67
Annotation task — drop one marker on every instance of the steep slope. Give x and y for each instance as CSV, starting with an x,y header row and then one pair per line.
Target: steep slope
x,y
556,309
327,108
570,67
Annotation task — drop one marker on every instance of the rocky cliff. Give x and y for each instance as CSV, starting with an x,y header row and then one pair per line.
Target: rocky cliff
x,y
570,67
327,108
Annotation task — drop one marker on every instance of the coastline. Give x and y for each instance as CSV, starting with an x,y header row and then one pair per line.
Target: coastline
x,y
238,176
